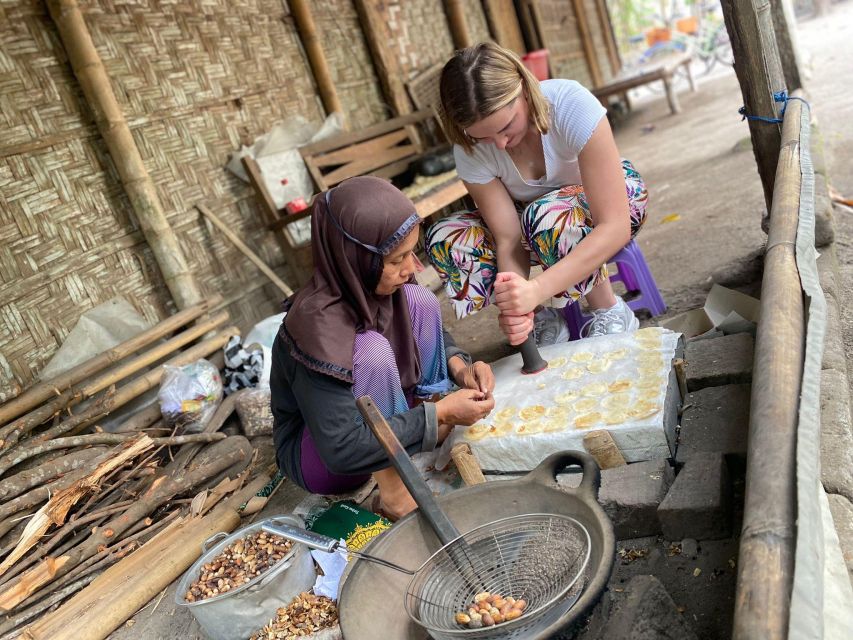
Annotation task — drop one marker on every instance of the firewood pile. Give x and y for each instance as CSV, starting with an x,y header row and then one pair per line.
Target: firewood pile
x,y
75,500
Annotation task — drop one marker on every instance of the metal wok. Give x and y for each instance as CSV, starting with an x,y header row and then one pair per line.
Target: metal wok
x,y
371,597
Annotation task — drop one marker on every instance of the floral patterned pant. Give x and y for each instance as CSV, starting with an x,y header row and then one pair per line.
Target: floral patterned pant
x,y
462,248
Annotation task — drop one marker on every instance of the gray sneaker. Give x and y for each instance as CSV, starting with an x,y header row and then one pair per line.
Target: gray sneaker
x,y
617,319
549,327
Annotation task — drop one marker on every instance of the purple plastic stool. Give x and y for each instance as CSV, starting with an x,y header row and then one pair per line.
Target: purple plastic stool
x,y
635,275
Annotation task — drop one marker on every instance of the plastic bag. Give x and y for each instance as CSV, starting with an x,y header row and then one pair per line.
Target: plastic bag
x,y
264,334
189,395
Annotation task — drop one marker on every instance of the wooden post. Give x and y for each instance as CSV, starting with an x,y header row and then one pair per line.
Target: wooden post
x,y
140,189
608,35
384,61
530,24
458,24
759,72
783,20
586,41
503,23
301,10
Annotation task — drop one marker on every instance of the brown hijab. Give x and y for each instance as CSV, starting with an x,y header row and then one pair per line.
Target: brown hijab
x,y
353,226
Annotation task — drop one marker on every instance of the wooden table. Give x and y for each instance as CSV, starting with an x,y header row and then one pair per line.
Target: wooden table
x,y
662,70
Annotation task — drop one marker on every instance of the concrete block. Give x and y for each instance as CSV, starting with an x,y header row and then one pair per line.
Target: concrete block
x,y
719,361
827,268
715,420
698,504
824,226
842,516
631,495
647,612
834,356
836,434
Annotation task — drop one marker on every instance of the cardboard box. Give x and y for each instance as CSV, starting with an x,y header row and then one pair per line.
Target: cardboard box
x,y
726,310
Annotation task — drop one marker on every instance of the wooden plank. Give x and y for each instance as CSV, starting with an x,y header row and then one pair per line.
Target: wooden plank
x,y
344,139
361,149
504,25
586,41
288,219
269,211
440,198
366,165
393,169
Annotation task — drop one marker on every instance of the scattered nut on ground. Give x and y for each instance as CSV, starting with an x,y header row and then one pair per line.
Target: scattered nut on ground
x,y
489,609
307,614
239,562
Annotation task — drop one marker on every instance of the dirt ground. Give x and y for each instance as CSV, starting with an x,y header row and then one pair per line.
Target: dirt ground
x,y
699,165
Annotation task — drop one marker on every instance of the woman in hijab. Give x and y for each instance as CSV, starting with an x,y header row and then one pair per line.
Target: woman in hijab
x,y
361,326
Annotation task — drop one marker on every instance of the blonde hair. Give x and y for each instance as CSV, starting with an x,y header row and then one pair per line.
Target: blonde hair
x,y
478,81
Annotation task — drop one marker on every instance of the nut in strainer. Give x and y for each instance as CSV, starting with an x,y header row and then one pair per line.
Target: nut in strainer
x,y
539,558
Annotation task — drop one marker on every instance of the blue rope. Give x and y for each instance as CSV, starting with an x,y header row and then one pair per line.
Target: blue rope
x,y
779,96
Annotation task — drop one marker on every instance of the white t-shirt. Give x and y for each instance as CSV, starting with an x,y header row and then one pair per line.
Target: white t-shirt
x,y
575,113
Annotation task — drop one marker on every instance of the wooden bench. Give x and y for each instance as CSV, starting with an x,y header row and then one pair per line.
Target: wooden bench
x,y
385,150
660,70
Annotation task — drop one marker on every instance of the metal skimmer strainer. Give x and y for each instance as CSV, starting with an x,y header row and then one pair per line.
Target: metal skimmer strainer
x,y
538,557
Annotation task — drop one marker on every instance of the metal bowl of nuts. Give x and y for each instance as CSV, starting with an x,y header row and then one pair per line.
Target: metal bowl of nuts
x,y
242,578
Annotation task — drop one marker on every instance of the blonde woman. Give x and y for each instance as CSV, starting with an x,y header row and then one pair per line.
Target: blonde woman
x,y
541,164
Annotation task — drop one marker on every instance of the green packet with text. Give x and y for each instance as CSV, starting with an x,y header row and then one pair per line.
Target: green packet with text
x,y
347,521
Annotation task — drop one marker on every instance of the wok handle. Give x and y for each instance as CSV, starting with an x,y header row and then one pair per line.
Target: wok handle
x,y
297,534
546,472
421,493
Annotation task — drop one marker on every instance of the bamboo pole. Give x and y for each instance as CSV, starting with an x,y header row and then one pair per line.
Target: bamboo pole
x,y
301,10
11,433
125,587
455,11
766,559
40,392
140,385
245,250
111,122
387,67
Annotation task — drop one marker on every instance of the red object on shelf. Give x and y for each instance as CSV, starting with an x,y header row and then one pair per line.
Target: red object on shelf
x,y
537,62
296,205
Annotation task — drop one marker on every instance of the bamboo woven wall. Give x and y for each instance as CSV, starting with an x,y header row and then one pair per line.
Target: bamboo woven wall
x,y
559,31
350,63
195,79
475,19
420,35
